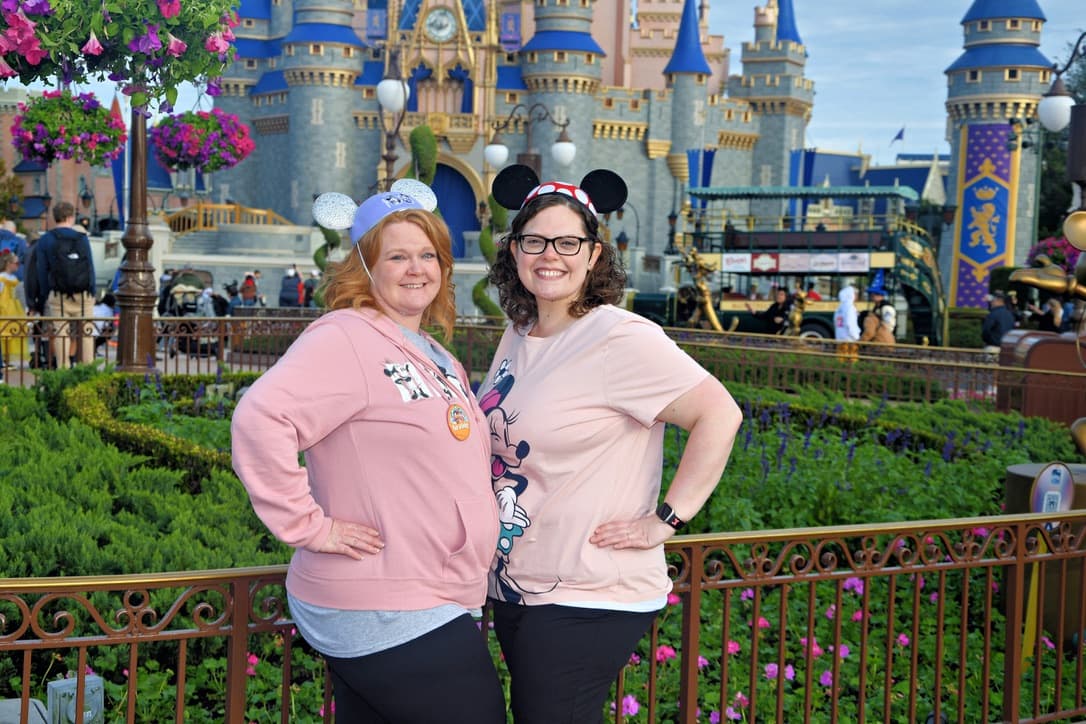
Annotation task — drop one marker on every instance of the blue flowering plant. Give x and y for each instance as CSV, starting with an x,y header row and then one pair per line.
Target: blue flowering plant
x,y
148,46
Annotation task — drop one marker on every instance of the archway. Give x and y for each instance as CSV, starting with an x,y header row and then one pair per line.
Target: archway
x,y
456,201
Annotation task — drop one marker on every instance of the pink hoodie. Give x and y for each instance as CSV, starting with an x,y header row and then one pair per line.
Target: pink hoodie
x,y
371,414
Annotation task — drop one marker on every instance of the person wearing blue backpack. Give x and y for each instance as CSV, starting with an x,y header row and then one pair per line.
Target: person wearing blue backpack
x,y
65,270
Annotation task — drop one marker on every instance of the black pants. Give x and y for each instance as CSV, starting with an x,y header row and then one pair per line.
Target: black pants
x,y
563,660
446,675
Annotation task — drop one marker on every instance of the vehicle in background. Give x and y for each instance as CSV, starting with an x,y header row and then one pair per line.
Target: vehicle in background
x,y
823,244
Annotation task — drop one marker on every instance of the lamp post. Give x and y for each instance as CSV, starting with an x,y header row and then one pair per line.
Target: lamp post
x,y
86,200
1056,110
1027,135
392,95
496,152
637,220
672,219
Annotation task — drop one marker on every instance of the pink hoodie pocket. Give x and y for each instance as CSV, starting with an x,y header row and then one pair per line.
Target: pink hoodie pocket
x,y
479,529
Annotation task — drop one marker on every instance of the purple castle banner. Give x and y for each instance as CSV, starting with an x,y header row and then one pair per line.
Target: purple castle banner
x,y
986,218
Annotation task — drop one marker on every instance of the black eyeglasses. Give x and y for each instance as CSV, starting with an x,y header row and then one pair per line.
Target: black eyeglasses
x,y
564,245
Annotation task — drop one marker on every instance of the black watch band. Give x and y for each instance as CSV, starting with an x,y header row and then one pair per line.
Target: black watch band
x,y
666,514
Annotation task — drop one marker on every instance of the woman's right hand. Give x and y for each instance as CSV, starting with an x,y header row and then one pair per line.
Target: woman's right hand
x,y
352,540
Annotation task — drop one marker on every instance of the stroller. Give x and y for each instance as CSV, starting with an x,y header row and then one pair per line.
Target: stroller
x,y
187,295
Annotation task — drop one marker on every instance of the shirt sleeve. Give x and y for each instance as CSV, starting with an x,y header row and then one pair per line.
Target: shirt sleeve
x,y
314,388
646,371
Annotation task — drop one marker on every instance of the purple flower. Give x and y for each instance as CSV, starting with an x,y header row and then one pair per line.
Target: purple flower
x,y
147,43
732,714
771,671
826,679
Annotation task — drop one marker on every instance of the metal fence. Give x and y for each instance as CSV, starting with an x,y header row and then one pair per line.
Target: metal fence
x,y
201,345
967,620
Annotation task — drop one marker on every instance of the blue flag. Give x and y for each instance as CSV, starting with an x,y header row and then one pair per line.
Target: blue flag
x,y
899,137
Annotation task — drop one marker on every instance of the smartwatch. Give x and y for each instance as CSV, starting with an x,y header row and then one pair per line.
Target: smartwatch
x,y
666,514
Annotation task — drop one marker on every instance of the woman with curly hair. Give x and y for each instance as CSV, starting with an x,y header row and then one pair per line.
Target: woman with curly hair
x,y
391,518
578,396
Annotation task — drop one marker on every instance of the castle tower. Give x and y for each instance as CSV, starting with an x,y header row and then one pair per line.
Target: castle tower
x,y
774,85
301,96
560,68
1000,77
687,75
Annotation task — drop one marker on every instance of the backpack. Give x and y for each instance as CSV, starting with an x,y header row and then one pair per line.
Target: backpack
x,y
70,266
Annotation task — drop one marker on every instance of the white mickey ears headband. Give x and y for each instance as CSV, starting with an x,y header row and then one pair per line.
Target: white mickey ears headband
x,y
338,211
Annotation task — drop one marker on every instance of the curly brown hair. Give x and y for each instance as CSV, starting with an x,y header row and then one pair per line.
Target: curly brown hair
x,y
604,283
348,285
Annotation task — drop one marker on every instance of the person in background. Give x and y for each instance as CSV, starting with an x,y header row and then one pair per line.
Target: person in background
x,y
775,316
12,240
65,270
580,573
104,322
846,323
291,289
392,518
12,333
311,285
1049,316
999,321
879,322
246,297
812,293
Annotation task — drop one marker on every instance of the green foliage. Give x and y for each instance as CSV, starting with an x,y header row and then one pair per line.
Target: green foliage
x,y
964,326
479,297
424,153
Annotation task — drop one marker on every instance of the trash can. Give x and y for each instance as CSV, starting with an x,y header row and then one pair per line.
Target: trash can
x,y
1016,489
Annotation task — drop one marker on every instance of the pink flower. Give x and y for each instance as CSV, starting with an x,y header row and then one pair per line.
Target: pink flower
x,y
169,8
741,699
816,650
175,46
732,714
854,584
789,672
831,612
250,670
702,662
92,46
6,70
1048,642
673,599
664,653
858,615
843,651
216,43
733,647
630,707
714,717
826,679
320,712
934,597
902,640
771,671
635,659
747,594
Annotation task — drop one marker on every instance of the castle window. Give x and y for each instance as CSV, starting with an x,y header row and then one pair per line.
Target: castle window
x,y
973,76
273,62
316,112
316,49
635,104
1045,76
348,52
341,155
250,64
248,23
1014,24
984,26
608,103
1036,26
560,56
512,98
1010,74
590,58
533,58
289,50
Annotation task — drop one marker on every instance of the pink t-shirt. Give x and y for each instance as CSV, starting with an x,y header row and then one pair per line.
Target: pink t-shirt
x,y
575,443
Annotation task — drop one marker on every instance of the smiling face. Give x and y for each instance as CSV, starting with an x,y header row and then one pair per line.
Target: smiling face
x,y
406,275
555,280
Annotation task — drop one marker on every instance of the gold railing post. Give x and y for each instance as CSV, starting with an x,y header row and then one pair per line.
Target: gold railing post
x,y
691,637
237,650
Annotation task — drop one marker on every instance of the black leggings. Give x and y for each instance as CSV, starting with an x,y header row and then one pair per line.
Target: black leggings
x,y
563,660
446,675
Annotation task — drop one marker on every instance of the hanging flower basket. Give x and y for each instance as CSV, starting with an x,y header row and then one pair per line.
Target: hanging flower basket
x,y
1058,250
59,125
201,140
147,46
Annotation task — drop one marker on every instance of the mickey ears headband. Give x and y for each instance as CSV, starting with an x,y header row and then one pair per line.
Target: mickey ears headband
x,y
601,191
338,211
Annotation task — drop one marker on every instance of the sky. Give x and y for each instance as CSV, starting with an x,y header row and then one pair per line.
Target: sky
x,y
878,65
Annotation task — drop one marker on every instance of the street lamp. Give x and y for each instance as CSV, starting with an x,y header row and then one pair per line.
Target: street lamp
x,y
86,200
637,220
1056,110
672,219
392,95
496,152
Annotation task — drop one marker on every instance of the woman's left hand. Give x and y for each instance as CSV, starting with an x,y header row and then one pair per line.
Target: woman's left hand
x,y
644,533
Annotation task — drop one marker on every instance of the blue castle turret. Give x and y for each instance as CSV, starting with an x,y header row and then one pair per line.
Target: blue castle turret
x,y
999,78
687,75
